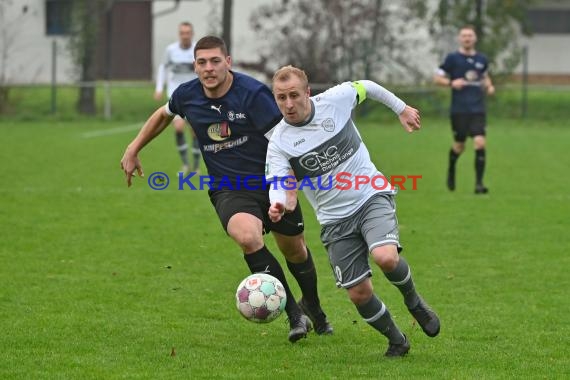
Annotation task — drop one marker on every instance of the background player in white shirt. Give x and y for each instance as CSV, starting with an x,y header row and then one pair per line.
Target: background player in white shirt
x,y
317,138
176,68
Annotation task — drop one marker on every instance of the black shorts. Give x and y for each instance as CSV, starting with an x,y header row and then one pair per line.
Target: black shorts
x,y
467,124
255,202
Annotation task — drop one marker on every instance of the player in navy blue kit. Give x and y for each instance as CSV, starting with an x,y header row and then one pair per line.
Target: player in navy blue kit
x,y
466,72
230,114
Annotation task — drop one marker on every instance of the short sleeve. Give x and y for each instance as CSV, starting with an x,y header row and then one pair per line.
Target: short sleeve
x,y
263,112
173,105
447,64
276,163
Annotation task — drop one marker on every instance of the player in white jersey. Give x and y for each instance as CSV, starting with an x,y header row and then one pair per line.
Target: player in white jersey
x,y
176,68
318,141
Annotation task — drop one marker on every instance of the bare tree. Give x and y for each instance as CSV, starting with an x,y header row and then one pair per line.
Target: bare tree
x,y
85,21
335,40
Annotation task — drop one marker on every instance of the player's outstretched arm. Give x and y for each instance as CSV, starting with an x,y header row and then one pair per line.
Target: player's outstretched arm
x,y
130,162
410,119
409,116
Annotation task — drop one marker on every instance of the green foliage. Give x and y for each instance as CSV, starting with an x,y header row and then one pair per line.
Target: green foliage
x,y
101,281
499,26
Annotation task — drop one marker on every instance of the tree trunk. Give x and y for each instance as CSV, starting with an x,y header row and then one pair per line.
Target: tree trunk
x,y
479,21
227,24
90,20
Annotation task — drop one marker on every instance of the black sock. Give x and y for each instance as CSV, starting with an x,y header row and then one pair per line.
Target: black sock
x,y
479,165
452,160
182,147
263,261
377,315
306,277
401,278
195,154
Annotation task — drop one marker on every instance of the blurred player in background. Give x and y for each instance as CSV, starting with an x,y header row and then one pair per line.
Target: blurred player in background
x,y
466,72
230,114
317,138
176,68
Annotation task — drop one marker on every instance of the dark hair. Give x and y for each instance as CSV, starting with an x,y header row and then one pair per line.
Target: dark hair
x,y
211,42
186,23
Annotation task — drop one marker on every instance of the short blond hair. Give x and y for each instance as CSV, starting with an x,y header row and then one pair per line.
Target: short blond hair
x,y
285,73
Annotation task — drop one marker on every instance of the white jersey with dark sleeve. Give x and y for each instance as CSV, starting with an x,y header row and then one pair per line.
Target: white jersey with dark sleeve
x,y
326,146
177,67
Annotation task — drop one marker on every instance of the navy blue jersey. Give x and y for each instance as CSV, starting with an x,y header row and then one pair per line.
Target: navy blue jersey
x,y
230,129
472,68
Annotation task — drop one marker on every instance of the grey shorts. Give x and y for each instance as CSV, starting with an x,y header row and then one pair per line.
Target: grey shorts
x,y
350,241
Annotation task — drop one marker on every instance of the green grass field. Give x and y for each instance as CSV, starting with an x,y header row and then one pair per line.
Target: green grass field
x,y
100,281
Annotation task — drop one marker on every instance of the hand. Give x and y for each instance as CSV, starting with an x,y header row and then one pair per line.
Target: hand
x,y
158,95
458,83
129,163
491,90
410,119
276,212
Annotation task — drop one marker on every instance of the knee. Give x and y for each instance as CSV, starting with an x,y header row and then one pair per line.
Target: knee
x,y
479,142
386,257
361,293
179,125
248,240
458,147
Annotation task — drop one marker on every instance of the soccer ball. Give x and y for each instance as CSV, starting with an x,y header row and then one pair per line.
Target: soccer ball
x,y
260,298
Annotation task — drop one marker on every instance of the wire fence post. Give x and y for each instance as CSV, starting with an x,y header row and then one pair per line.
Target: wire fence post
x,y
53,76
524,102
107,105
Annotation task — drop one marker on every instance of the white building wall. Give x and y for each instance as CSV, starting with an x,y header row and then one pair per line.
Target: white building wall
x,y
548,54
28,48
205,16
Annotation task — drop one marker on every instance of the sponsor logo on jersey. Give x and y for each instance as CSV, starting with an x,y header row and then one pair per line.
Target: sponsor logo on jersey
x,y
215,148
391,236
325,159
471,75
218,108
219,131
299,142
236,116
328,155
328,125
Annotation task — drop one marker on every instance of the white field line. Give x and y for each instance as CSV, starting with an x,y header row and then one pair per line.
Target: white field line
x,y
112,131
